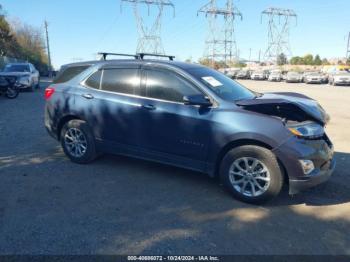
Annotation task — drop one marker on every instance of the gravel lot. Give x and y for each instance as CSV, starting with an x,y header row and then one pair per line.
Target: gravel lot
x,y
118,205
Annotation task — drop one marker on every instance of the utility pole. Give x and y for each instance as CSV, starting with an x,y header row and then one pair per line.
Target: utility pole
x,y
278,32
149,40
348,48
220,44
48,47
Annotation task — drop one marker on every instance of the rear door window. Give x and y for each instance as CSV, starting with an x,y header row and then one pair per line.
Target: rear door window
x,y
69,73
94,81
121,80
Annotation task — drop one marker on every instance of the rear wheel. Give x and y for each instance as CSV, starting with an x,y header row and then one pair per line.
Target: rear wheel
x,y
78,142
252,174
37,86
31,88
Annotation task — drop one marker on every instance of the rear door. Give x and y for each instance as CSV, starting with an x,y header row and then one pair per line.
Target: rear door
x,y
111,104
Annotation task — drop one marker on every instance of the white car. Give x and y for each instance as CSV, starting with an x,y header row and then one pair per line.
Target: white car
x,y
275,76
340,78
293,77
314,78
25,74
258,75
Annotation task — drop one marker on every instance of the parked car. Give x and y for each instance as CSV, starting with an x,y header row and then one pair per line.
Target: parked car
x,y
258,75
26,75
232,73
314,78
339,78
242,74
193,117
275,77
293,77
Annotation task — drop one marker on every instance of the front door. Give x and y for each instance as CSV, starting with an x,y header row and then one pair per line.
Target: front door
x,y
173,127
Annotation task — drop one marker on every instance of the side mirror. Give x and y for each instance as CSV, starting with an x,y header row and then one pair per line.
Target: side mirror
x,y
197,100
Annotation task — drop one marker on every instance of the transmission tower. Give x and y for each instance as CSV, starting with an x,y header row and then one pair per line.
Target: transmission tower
x,y
149,40
279,22
220,44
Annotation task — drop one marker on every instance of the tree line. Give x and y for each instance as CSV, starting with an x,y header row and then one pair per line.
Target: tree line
x,y
23,42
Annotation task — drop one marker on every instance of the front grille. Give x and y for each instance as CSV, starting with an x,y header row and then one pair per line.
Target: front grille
x,y
11,79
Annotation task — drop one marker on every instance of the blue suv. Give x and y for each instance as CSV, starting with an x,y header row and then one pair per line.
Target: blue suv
x,y
193,117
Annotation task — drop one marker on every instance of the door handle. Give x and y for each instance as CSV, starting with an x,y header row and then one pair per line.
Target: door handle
x,y
88,96
149,107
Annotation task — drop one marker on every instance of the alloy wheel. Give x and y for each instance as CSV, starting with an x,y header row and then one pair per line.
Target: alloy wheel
x,y
75,142
11,92
249,176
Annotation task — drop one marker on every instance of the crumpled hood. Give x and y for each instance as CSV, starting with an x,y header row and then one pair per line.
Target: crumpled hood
x,y
296,106
17,74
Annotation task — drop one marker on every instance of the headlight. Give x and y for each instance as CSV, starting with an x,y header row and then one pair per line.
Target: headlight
x,y
307,130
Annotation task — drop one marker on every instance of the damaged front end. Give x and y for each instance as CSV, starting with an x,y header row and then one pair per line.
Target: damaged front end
x,y
308,155
290,107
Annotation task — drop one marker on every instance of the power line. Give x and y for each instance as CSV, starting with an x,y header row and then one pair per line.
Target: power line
x,y
221,42
278,32
150,37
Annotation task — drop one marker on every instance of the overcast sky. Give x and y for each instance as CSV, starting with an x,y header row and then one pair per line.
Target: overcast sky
x,y
81,28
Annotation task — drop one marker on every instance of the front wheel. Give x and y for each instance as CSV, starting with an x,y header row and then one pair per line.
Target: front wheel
x,y
78,142
252,174
12,92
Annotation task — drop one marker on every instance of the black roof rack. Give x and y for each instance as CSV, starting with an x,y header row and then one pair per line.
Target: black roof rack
x,y
142,55
104,55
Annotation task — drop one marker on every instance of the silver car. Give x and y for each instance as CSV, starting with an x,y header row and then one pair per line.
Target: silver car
x,y
258,75
25,75
314,78
293,77
275,76
340,78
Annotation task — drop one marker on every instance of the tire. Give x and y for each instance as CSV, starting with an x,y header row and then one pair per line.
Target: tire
x,y
30,88
13,93
37,86
266,161
72,128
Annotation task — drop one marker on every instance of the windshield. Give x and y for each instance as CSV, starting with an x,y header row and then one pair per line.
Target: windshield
x,y
16,68
224,87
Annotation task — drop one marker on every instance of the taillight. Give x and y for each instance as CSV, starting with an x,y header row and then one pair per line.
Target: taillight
x,y
49,92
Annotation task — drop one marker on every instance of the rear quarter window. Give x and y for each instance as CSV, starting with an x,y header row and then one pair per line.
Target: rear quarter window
x,y
69,73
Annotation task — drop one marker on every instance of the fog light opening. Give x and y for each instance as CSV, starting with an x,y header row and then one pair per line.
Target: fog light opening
x,y
307,166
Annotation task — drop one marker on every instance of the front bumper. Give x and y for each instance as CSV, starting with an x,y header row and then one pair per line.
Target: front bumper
x,y
342,82
320,152
317,177
314,81
293,80
258,78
